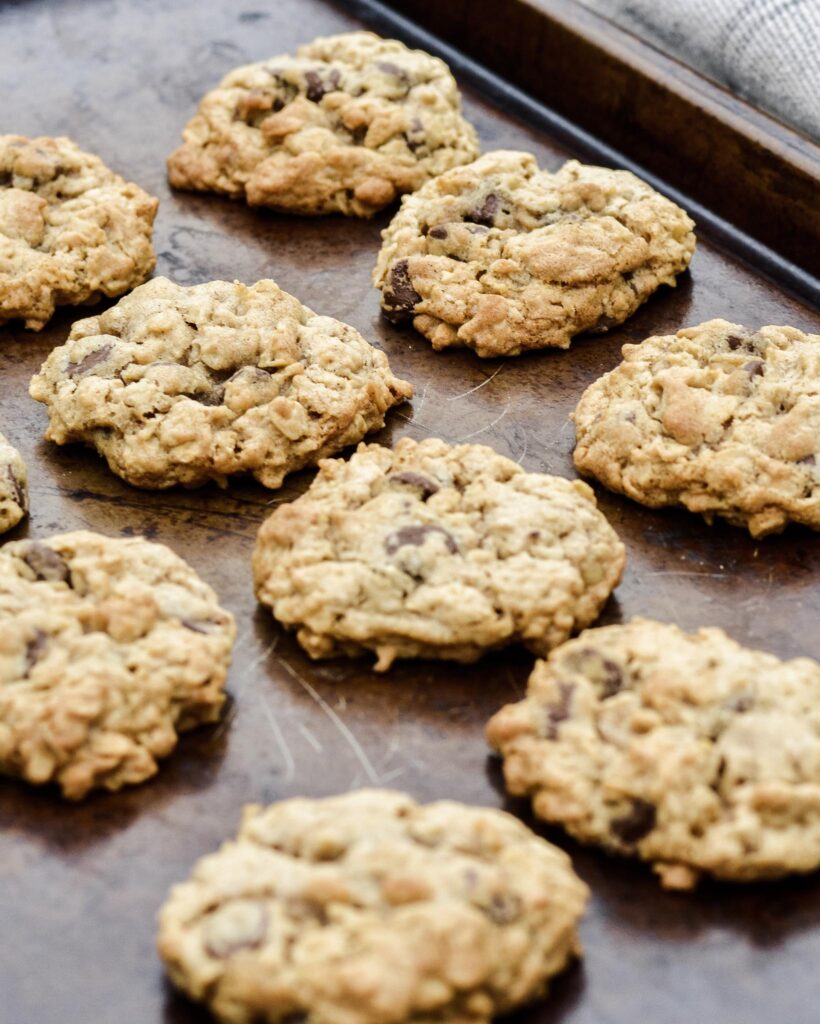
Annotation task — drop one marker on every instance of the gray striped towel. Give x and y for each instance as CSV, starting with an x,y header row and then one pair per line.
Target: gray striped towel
x,y
766,51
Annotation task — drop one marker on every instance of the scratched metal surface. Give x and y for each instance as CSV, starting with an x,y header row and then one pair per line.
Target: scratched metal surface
x,y
80,885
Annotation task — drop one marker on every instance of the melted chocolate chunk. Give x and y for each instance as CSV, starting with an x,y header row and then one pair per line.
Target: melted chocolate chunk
x,y
214,397
416,129
316,88
734,341
600,671
393,69
301,907
415,536
438,232
34,649
504,908
401,297
754,368
636,823
740,702
485,213
17,488
807,460
417,481
89,362
45,563
560,711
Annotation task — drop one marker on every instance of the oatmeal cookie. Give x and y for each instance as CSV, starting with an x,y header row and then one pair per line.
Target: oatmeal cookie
x,y
108,648
181,385
719,419
71,231
688,751
345,126
435,551
502,257
370,908
13,486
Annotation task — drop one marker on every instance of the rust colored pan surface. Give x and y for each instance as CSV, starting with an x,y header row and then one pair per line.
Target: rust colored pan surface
x,y
80,884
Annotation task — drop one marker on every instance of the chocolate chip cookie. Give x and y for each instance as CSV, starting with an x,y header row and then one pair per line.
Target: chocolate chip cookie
x,y
185,385
345,126
502,257
108,648
688,751
435,551
722,420
372,909
13,486
71,231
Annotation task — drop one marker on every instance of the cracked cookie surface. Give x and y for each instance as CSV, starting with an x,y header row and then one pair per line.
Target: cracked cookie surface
x,y
372,909
181,385
108,648
502,257
686,750
435,551
345,126
722,420
13,486
71,230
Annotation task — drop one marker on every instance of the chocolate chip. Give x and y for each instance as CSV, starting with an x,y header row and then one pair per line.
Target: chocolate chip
x,y
401,297
485,213
740,702
417,481
250,935
438,232
415,536
754,368
213,397
5,178
560,711
17,488
34,649
636,823
392,69
504,908
600,671
613,679
416,128
316,88
734,341
307,909
200,625
807,460
91,360
45,563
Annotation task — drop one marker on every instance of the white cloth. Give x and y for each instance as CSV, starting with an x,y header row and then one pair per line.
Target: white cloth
x,y
766,51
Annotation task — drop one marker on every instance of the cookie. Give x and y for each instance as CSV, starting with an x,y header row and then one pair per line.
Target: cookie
x,y
108,648
502,257
435,551
71,231
13,486
370,908
688,751
185,385
345,126
719,419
